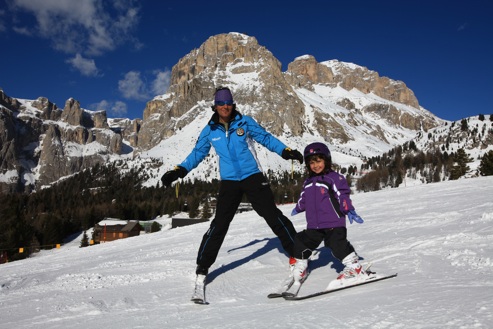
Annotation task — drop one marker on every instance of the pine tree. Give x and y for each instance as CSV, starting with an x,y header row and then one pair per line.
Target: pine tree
x,y
460,168
193,207
206,209
155,227
463,125
85,240
486,165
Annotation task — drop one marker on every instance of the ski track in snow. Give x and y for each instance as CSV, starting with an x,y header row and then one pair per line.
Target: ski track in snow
x,y
438,237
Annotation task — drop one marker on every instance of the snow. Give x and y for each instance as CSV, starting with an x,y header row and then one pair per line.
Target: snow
x,y
336,65
112,221
438,237
9,176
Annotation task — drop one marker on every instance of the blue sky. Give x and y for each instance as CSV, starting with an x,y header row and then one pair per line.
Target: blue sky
x,y
117,55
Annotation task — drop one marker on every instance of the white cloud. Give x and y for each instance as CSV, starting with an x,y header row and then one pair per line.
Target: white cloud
x,y
86,67
82,26
103,105
2,21
161,83
136,87
23,31
116,108
133,87
119,108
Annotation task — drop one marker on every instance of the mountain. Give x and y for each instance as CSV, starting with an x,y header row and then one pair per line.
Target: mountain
x,y
473,134
355,111
341,103
441,249
41,143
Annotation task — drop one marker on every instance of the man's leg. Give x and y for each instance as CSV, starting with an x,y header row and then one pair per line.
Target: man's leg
x,y
228,201
261,197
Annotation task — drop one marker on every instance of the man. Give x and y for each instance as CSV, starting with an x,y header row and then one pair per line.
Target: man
x,y
232,135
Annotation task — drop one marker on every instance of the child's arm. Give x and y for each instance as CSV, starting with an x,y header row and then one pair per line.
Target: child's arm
x,y
343,191
346,205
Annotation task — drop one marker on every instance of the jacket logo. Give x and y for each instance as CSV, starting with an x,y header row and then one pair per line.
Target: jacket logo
x,y
216,139
240,131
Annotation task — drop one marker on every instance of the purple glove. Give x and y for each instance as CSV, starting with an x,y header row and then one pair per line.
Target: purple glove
x,y
294,212
353,216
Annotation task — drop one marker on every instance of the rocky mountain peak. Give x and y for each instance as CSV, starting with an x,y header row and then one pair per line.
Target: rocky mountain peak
x,y
305,71
275,98
233,60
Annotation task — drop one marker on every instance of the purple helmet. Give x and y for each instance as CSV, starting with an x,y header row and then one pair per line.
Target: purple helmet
x,y
316,148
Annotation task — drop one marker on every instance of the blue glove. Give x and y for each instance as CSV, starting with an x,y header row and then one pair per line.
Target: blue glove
x,y
353,216
294,212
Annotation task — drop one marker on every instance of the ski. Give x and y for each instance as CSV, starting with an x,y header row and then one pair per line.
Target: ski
x,y
288,296
293,290
289,284
198,296
286,285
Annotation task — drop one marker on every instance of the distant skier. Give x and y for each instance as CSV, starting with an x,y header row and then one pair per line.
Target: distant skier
x,y
232,135
325,199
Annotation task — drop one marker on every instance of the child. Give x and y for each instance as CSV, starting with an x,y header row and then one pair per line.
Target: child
x,y
325,199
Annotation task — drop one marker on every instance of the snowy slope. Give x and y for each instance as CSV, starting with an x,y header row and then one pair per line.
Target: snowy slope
x,y
439,237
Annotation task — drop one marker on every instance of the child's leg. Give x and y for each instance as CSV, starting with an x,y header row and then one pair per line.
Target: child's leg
x,y
304,243
336,240
344,251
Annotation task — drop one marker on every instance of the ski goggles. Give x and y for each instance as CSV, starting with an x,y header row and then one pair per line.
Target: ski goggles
x,y
222,103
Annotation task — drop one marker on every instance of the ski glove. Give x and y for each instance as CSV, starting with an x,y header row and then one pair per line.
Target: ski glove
x,y
288,154
353,216
172,175
294,212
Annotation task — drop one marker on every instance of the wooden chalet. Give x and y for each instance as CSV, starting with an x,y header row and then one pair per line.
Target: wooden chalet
x,y
113,229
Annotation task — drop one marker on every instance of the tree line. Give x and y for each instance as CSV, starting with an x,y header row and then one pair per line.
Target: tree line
x,y
43,219
392,168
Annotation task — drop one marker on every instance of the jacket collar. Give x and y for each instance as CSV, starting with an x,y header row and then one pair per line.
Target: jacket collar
x,y
235,115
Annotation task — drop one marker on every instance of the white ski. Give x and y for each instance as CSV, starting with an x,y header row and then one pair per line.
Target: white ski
x,y
339,286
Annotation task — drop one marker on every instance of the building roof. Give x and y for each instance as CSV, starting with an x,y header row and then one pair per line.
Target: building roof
x,y
130,226
115,221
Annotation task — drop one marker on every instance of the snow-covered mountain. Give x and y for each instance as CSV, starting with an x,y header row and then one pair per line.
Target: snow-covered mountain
x,y
442,251
351,108
473,134
355,111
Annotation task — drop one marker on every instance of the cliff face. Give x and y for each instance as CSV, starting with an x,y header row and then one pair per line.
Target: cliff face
x,y
40,143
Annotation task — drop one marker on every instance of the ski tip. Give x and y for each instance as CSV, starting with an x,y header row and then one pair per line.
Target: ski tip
x,y
274,295
287,295
199,301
